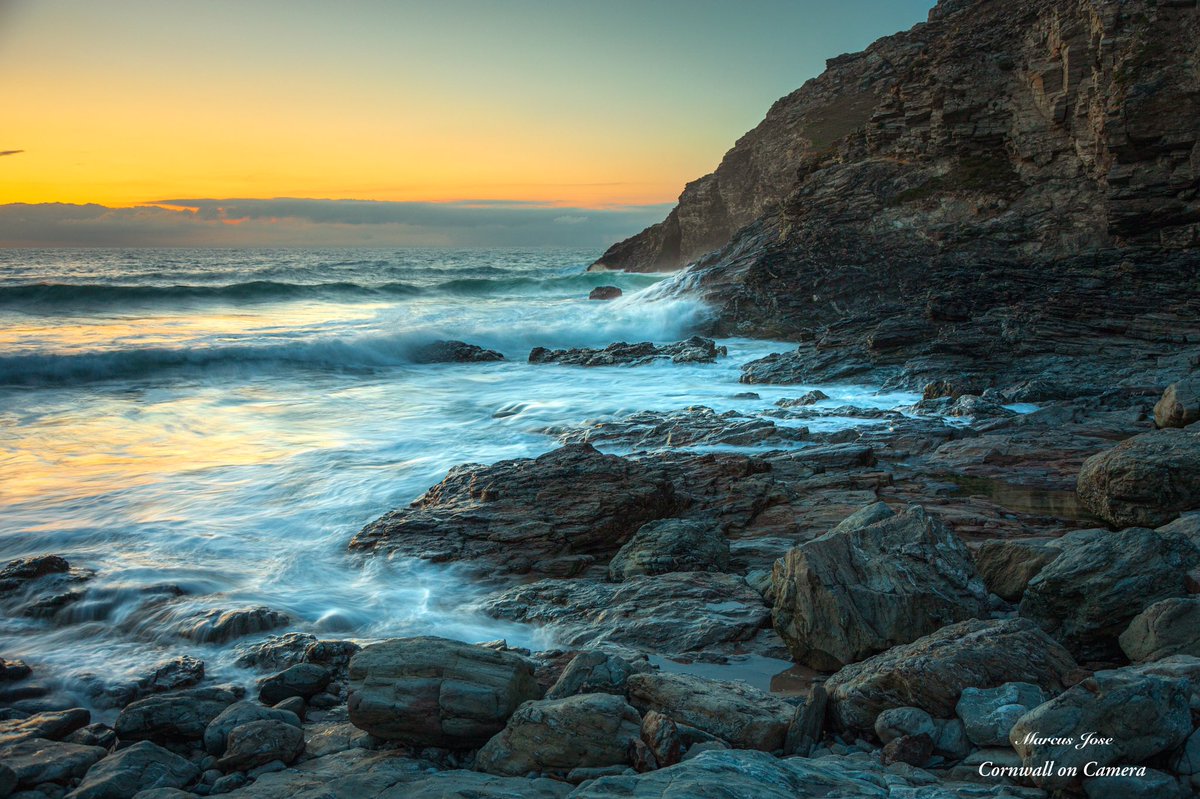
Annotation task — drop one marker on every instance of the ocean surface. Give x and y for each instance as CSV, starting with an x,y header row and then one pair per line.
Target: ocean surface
x,y
207,429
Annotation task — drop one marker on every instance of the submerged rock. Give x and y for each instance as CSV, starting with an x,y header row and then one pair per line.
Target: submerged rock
x,y
454,352
693,426
1144,481
604,293
693,350
220,626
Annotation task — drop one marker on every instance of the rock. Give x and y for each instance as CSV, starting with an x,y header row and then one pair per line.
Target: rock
x,y
932,672
670,613
237,714
950,739
18,572
1089,594
435,692
303,680
1141,715
1151,785
661,736
100,735
170,675
1179,405
329,738
807,398
671,545
276,652
178,716
541,515
230,782
12,670
557,735
693,350
860,590
732,711
1186,761
1174,667
808,723
333,655
8,780
1144,481
1006,567
604,293
53,726
693,426
898,722
592,672
37,760
988,714
143,766
257,743
293,704
164,793
914,750
1168,627
454,352
221,626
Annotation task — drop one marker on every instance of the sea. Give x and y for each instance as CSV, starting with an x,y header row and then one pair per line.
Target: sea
x,y
207,429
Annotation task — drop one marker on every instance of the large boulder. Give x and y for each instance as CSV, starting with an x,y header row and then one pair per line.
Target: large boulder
x,y
1006,567
430,691
37,760
877,580
1179,405
549,515
932,672
557,735
1088,595
140,767
1135,716
671,545
178,716
1169,627
304,680
1144,481
237,714
733,711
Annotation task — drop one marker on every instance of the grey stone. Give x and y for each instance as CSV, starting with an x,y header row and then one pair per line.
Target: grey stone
x,y
37,760
989,713
592,671
1151,785
900,721
53,726
257,743
140,767
304,680
1169,627
1179,405
1144,481
1006,567
182,715
237,714
220,626
671,545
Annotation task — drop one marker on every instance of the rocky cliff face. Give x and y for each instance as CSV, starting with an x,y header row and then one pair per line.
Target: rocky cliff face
x,y
1009,176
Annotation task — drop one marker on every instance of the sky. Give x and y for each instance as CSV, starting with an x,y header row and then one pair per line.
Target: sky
x,y
457,121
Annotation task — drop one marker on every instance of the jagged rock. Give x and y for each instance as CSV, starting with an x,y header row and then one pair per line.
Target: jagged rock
x,y
732,711
100,735
178,716
592,672
1088,595
988,714
604,293
878,581
669,613
914,750
661,736
37,760
808,724
220,626
1006,567
12,670
454,352
303,680
53,726
143,766
275,652
898,722
931,672
693,350
1144,481
18,572
557,735
237,714
1141,715
435,692
540,515
257,743
671,545
807,398
1179,405
696,425
1169,627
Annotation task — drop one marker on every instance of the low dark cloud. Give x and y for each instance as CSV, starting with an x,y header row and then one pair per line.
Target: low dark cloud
x,y
302,222
10,152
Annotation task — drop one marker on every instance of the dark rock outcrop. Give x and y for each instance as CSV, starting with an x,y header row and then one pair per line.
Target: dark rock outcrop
x,y
693,350
604,293
1144,481
454,352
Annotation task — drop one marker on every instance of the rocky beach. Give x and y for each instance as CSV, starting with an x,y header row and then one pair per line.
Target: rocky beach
x,y
981,578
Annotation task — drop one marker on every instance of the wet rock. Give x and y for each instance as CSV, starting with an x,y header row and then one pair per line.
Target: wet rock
x,y
604,293
931,672
988,714
693,350
693,426
19,572
669,613
528,514
37,760
807,398
143,766
257,743
12,670
733,711
303,680
878,581
94,735
1089,594
179,716
8,780
1006,567
1144,481
332,654
454,352
1140,715
557,735
435,692
1179,405
169,675
53,726
276,652
1169,627
671,545
592,672
221,626
237,714
898,722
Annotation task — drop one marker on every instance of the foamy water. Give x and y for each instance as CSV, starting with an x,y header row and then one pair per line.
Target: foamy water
x,y
223,422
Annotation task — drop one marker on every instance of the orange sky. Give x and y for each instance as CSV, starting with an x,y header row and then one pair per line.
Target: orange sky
x,y
126,102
